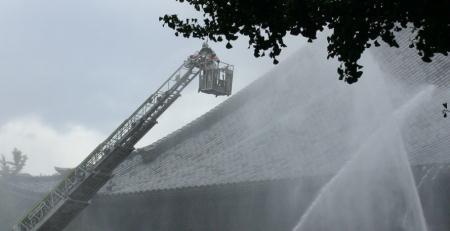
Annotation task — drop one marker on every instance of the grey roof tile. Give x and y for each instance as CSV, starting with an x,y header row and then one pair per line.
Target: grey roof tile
x,y
293,121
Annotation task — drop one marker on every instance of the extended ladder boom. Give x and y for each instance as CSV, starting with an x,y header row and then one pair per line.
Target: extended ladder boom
x,y
72,195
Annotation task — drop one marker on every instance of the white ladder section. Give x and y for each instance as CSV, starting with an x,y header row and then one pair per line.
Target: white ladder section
x,y
55,211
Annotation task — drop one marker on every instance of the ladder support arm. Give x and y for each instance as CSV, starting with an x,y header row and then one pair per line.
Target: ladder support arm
x,y
55,211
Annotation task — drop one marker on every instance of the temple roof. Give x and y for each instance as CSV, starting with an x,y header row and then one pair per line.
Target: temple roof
x,y
296,120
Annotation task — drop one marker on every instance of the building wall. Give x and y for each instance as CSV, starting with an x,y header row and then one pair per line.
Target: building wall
x,y
251,206
259,206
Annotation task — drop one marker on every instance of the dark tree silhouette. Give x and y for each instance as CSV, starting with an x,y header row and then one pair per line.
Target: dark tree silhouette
x,y
13,167
445,111
355,24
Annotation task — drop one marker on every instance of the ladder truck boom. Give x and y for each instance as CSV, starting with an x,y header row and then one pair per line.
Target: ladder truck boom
x,y
55,211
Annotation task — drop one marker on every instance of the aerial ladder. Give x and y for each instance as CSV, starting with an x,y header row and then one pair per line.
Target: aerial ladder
x,y
62,204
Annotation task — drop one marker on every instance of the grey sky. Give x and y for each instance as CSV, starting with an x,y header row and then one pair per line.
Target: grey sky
x,y
71,71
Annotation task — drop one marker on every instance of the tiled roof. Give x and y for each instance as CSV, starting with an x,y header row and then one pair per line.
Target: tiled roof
x,y
31,184
296,120
292,122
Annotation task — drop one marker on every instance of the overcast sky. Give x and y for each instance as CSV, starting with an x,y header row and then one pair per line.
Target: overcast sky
x,y
71,71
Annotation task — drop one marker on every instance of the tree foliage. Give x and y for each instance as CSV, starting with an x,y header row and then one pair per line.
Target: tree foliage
x,y
15,166
355,24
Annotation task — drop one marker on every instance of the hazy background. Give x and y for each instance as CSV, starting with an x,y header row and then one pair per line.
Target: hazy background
x,y
71,71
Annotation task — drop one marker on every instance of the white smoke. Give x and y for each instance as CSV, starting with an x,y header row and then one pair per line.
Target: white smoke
x,y
45,146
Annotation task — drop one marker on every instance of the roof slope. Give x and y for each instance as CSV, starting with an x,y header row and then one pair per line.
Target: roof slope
x,y
298,120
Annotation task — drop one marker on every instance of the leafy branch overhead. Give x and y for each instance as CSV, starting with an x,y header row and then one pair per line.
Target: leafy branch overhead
x,y
356,25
